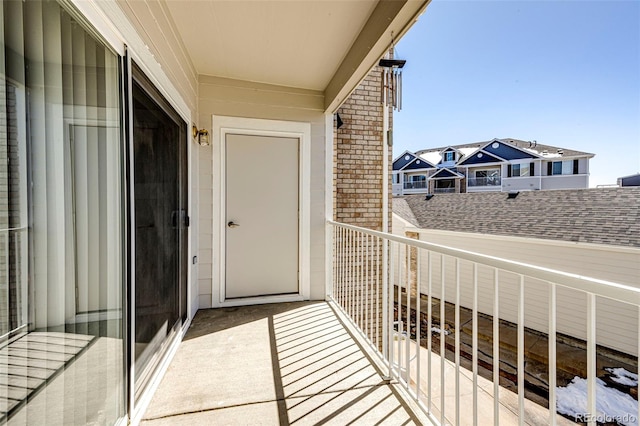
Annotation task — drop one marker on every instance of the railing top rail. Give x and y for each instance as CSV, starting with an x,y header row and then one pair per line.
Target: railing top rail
x,y
616,291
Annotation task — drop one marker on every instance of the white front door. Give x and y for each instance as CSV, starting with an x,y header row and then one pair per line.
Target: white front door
x,y
262,224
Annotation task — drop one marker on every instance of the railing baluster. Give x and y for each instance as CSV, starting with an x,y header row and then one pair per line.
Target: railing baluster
x,y
348,272
367,301
418,319
552,354
591,358
359,280
408,338
457,338
474,344
429,326
334,263
521,352
354,278
496,349
378,272
390,307
343,267
339,268
443,355
399,309
385,302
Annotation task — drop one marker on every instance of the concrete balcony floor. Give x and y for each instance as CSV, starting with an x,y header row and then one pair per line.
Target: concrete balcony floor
x,y
279,364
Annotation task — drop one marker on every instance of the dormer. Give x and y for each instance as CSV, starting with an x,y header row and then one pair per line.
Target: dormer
x,y
449,157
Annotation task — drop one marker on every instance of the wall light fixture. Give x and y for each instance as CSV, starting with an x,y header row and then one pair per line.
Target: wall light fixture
x,y
201,136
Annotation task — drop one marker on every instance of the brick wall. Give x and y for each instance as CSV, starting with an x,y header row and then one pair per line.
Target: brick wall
x,y
358,157
357,191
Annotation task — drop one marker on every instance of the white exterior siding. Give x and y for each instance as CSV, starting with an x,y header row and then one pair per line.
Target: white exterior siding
x,y
219,96
565,182
521,183
617,322
160,37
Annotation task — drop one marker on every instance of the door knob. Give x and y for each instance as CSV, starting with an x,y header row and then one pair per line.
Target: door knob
x,y
232,225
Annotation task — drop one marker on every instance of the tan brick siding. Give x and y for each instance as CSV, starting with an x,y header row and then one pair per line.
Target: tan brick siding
x,y
357,192
358,157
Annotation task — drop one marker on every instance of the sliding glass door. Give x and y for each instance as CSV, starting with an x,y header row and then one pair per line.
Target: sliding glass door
x,y
61,221
160,221
65,188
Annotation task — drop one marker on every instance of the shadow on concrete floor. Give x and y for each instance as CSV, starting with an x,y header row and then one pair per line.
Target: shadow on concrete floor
x,y
290,363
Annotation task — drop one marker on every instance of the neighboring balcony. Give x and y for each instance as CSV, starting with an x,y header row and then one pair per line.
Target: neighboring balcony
x,y
422,184
484,184
415,187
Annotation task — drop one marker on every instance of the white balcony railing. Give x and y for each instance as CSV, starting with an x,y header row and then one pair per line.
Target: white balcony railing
x,y
421,184
484,181
379,281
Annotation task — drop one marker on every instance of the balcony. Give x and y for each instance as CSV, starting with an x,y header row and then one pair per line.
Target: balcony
x,y
422,184
363,357
484,181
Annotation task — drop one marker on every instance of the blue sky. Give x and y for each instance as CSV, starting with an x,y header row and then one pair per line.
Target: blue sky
x,y
564,73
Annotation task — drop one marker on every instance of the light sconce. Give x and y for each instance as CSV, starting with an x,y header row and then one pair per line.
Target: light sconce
x,y
201,136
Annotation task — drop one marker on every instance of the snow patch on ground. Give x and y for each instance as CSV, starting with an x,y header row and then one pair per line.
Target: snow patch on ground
x,y
439,331
623,377
611,404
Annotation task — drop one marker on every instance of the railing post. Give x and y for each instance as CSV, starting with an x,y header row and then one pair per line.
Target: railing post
x,y
385,303
591,359
552,354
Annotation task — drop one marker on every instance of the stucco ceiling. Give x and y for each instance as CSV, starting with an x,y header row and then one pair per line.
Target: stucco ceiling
x,y
291,43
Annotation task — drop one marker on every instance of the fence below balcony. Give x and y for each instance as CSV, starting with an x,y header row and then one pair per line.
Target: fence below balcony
x,y
462,331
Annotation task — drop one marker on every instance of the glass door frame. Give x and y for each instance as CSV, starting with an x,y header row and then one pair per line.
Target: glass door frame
x,y
134,394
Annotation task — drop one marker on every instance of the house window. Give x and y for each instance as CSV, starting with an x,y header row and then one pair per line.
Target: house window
x,y
61,246
489,177
449,156
518,170
567,167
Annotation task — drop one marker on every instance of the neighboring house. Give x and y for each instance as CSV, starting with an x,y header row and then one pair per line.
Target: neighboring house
x,y
588,232
631,180
495,165
124,131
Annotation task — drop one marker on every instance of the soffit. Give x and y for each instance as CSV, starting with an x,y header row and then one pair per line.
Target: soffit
x,y
287,43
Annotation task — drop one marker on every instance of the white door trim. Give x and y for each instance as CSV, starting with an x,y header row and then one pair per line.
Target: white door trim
x,y
223,125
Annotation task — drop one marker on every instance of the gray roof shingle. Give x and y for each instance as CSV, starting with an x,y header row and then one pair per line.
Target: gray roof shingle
x,y
602,216
566,153
402,209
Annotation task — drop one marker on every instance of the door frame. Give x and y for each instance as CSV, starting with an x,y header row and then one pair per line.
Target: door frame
x,y
223,125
